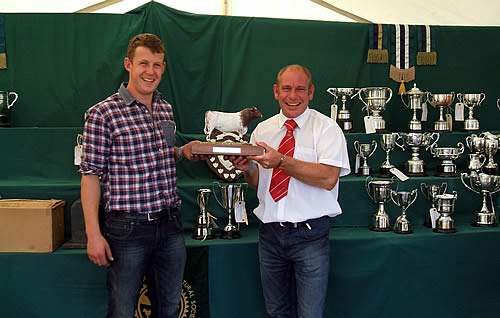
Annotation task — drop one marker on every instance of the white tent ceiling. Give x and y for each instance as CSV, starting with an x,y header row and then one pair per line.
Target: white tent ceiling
x,y
433,12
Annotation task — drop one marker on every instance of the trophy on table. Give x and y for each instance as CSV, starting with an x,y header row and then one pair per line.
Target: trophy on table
x,y
445,205
430,192
471,101
403,199
232,196
204,224
364,151
375,100
415,140
6,102
388,143
490,149
441,101
343,117
380,192
486,185
416,98
447,155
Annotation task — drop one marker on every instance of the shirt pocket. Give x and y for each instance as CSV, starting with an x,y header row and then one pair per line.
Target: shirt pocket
x,y
307,154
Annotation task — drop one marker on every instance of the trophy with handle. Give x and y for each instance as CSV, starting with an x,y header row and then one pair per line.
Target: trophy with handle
x,y
416,98
447,155
441,101
231,194
486,185
364,151
380,192
471,101
343,118
429,192
388,142
375,100
445,205
204,224
415,140
403,199
6,102
490,149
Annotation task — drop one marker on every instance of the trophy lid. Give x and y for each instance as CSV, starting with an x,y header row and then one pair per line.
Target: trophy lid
x,y
415,90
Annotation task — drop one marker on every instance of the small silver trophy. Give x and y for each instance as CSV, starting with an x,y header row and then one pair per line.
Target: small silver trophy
x,y
447,155
490,149
415,140
231,195
471,101
445,204
375,100
6,102
380,192
430,192
416,98
343,118
403,199
388,142
441,101
364,151
204,224
486,185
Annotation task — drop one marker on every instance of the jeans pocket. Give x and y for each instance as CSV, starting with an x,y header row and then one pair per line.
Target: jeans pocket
x,y
317,231
119,229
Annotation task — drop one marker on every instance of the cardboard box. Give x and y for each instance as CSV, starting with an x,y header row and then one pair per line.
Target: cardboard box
x,y
31,225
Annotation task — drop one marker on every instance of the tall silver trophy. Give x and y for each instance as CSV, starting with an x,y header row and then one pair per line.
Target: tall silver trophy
x,y
380,192
364,151
7,100
388,142
445,205
430,192
375,100
204,224
416,98
343,117
471,101
447,155
231,194
477,157
441,101
415,140
486,185
403,199
490,149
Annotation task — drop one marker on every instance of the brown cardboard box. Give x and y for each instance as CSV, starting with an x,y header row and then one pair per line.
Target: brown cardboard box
x,y
31,225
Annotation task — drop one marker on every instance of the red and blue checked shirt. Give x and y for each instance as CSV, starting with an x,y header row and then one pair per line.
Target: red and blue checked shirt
x,y
124,145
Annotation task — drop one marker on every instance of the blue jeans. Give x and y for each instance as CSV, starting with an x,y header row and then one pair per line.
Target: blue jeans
x,y
151,249
294,267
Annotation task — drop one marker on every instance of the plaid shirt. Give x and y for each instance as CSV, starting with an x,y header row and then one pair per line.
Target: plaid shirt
x,y
124,145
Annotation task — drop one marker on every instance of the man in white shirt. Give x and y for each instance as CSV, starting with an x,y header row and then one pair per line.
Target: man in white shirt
x,y
297,187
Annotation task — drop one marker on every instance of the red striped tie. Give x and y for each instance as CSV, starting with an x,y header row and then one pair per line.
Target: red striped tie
x,y
280,180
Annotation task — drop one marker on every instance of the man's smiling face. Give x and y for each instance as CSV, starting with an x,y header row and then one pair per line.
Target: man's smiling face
x,y
293,92
145,71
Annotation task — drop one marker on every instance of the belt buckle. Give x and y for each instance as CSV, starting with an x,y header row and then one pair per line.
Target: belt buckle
x,y
149,217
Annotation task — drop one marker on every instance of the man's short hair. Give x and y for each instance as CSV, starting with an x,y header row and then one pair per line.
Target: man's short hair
x,y
148,40
296,67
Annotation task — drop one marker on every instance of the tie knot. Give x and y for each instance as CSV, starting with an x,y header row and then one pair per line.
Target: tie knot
x,y
290,125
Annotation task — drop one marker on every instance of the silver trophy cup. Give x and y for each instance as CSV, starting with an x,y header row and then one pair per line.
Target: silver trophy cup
x,y
471,101
203,227
230,195
344,118
441,101
447,155
416,98
375,100
430,192
415,140
490,149
403,199
364,151
388,142
7,100
486,185
380,192
445,205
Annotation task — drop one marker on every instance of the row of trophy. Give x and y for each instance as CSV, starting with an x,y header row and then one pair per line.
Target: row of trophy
x,y
375,100
481,158
232,200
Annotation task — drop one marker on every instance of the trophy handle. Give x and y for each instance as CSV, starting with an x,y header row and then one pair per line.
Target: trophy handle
x,y
403,100
368,180
434,134
361,98
390,94
462,147
483,96
482,158
79,139
374,145
498,103
331,90
464,175
215,193
398,137
397,182
432,149
460,97
392,198
9,105
356,146
425,190
356,90
468,141
443,187
414,195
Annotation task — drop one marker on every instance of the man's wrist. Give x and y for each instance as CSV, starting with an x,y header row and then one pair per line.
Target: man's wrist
x,y
282,158
252,168
178,153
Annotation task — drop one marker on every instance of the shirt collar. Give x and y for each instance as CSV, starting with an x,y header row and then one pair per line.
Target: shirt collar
x,y
300,120
128,98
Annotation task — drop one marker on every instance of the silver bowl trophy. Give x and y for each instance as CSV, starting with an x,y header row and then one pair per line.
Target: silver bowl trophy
x,y
486,185
471,101
416,99
204,225
441,101
416,166
445,205
342,116
447,155
403,199
430,192
364,151
490,149
375,100
232,196
380,192
6,102
388,142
